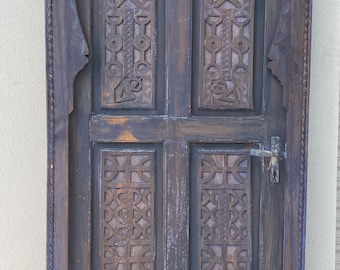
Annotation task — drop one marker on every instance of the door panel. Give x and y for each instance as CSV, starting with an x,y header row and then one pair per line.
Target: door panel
x,y
128,56
128,207
129,42
229,74
221,199
226,44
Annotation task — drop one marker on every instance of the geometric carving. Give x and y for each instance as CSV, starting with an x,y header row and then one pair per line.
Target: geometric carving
x,y
224,211
227,54
129,54
127,210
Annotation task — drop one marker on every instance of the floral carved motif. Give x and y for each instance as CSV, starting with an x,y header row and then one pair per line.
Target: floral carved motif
x,y
128,54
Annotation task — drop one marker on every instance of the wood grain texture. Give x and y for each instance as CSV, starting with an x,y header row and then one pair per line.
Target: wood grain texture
x,y
66,50
158,129
280,47
295,221
178,46
75,46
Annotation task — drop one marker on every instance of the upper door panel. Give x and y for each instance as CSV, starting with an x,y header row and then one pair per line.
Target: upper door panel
x,y
226,54
127,44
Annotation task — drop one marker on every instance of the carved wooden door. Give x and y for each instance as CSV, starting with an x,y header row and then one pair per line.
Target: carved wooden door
x,y
160,132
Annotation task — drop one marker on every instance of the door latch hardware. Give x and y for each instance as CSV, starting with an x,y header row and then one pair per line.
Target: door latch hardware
x,y
275,155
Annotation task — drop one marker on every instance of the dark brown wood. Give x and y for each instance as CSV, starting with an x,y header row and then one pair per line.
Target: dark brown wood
x,y
128,55
79,186
67,52
222,195
297,115
227,45
162,119
149,129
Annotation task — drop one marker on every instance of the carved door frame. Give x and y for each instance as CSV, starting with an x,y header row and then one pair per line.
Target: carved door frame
x,y
290,63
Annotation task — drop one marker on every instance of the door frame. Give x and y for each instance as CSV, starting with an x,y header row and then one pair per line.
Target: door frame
x,y
289,61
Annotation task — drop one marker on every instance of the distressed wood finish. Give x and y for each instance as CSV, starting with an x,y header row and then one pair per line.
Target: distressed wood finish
x,y
127,209
66,54
222,195
149,164
227,54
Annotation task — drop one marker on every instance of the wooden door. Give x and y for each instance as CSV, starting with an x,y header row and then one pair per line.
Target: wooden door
x,y
151,162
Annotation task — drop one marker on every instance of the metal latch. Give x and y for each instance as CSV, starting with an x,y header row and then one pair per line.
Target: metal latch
x,y
275,155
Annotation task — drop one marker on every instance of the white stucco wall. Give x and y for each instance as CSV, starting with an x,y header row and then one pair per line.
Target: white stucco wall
x,y
23,135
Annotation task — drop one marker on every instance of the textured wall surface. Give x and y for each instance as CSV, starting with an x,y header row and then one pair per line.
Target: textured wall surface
x,y
23,135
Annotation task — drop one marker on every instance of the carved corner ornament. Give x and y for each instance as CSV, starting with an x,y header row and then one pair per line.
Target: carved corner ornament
x,y
77,48
280,50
